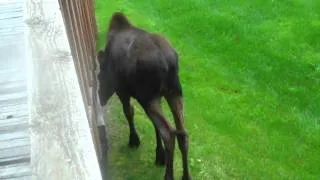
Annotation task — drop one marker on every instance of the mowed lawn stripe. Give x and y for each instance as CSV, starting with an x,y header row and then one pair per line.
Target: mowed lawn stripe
x,y
251,78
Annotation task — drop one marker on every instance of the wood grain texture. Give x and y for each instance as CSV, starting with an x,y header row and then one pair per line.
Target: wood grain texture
x,y
15,171
61,141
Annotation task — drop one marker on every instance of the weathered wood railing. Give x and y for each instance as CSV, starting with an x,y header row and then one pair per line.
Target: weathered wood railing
x,y
80,24
67,127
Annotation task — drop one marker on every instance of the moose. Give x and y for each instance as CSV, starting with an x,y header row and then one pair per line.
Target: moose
x,y
144,66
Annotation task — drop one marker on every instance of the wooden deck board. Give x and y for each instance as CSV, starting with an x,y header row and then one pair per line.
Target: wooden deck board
x,y
13,171
14,155
59,135
14,136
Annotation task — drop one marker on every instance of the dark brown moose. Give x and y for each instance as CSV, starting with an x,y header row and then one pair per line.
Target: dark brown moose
x,y
144,66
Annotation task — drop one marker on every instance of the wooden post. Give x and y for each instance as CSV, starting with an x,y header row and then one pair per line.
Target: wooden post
x,y
61,141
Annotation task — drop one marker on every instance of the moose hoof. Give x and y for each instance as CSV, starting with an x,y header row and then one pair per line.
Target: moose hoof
x,y
134,141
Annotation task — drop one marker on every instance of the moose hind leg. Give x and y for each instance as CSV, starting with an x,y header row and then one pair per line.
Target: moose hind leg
x,y
176,106
166,133
160,153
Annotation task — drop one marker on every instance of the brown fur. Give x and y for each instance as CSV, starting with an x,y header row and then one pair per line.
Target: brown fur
x,y
143,65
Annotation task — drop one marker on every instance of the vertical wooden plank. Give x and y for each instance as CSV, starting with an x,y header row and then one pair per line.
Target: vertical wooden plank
x,y
65,7
70,11
99,110
86,31
94,87
83,43
90,15
84,60
74,21
94,23
78,16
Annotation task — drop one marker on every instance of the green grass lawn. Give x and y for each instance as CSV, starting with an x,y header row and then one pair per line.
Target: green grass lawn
x,y
250,71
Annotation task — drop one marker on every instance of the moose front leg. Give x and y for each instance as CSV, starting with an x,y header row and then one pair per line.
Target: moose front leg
x,y
128,111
